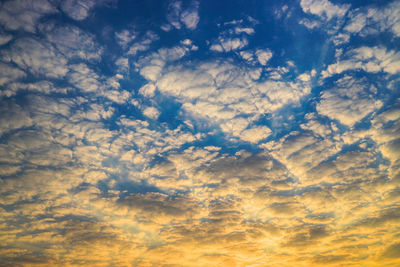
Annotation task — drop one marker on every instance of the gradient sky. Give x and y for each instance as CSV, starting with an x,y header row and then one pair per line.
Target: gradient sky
x,y
199,133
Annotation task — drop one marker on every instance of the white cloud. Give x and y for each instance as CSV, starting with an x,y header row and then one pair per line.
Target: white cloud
x,y
151,66
300,152
319,129
370,59
117,96
14,117
348,102
246,30
44,87
5,38
24,14
151,112
9,74
147,90
357,23
186,14
263,56
223,93
122,64
82,77
37,57
375,20
229,44
191,17
255,134
324,8
124,37
175,7
311,24
77,9
73,43
142,44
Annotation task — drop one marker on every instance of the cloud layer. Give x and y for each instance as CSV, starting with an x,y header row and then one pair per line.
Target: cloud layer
x,y
187,138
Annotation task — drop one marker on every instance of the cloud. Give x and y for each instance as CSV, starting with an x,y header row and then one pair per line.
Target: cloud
x,y
369,59
310,24
83,78
371,20
5,38
24,14
9,74
144,44
300,152
183,14
151,112
15,117
151,206
124,37
220,92
229,44
263,56
247,30
169,156
148,90
324,9
77,9
190,17
259,56
233,35
152,65
391,251
37,57
255,134
349,102
74,43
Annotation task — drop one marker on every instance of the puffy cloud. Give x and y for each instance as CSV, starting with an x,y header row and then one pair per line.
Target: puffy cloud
x,y
83,78
37,57
222,92
183,14
144,44
369,59
255,165
263,56
300,152
255,134
124,37
375,20
324,9
151,112
151,66
77,9
73,43
9,74
247,30
24,14
15,117
349,102
190,17
310,24
152,205
148,90
5,38
229,44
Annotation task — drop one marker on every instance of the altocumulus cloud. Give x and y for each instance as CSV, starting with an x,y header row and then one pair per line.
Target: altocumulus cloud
x,y
195,133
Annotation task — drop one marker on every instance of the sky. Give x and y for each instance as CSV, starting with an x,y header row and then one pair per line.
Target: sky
x,y
199,133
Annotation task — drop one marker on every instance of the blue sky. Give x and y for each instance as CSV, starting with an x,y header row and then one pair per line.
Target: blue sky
x,y
199,133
